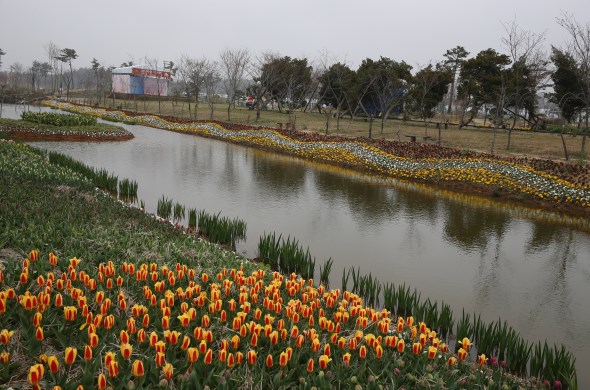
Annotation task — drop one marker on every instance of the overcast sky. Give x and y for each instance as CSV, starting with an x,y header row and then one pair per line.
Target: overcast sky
x,y
419,31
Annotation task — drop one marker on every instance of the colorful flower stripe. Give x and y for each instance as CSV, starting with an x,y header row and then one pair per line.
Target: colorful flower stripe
x,y
515,178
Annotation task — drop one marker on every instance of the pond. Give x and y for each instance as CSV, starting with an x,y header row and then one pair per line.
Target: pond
x,y
529,268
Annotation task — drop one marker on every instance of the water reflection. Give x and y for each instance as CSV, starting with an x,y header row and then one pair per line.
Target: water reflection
x,y
283,175
473,228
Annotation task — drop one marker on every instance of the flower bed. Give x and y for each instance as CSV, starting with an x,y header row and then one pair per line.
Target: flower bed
x,y
27,131
139,323
402,160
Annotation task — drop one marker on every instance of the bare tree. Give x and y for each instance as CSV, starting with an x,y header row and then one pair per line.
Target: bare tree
x,y
160,80
52,51
579,49
211,79
192,74
529,70
233,66
67,56
16,74
35,73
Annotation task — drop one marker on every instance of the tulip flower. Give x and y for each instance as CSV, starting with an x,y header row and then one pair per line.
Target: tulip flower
x,y
432,352
70,355
324,360
208,356
417,348
401,346
186,342
58,300
161,346
269,362
70,313
153,339
466,344
5,357
108,358
379,351
87,353
452,360
160,359
283,359
101,382
363,352
482,360
168,371
37,319
141,336
36,373
124,337
346,359
222,355
310,365
231,360
39,335
113,369
192,354
251,357
462,354
126,350
137,368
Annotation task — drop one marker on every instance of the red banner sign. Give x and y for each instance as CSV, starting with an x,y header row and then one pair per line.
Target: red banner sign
x,y
151,73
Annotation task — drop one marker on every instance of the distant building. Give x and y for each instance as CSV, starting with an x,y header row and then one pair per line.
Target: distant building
x,y
141,80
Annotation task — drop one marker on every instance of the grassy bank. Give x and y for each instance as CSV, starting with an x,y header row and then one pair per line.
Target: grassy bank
x,y
148,304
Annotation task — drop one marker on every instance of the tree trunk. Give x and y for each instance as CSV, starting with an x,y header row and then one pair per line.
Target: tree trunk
x,y
567,157
583,151
494,138
509,139
188,99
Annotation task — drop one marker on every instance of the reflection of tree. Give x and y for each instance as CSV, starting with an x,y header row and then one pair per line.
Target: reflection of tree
x,y
554,291
372,203
281,174
542,236
472,228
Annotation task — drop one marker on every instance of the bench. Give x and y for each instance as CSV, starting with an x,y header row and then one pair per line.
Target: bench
x,y
412,138
280,124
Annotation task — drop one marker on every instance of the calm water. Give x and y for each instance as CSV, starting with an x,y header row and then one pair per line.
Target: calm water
x,y
473,255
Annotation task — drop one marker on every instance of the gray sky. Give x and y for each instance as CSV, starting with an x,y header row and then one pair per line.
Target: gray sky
x,y
419,31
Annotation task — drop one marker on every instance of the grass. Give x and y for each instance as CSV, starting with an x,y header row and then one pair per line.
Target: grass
x,y
537,144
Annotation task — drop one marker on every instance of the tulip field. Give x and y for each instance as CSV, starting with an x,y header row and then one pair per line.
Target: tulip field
x,y
95,293
133,324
